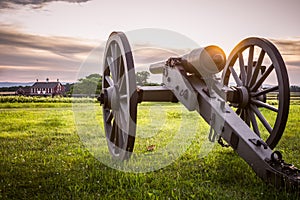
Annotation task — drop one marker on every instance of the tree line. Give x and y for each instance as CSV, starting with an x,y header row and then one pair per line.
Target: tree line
x,y
89,85
92,84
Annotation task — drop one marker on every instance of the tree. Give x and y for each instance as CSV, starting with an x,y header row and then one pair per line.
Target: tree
x,y
295,88
69,88
142,78
90,85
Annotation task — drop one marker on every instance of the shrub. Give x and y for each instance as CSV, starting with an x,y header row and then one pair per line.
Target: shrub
x,y
37,99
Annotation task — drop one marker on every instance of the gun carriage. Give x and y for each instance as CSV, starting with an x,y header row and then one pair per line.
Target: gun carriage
x,y
231,105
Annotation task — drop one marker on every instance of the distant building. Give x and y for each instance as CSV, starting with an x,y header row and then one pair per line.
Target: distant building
x,y
47,88
23,91
43,89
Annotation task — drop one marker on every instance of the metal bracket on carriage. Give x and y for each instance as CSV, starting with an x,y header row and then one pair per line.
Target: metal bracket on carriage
x,y
221,142
216,128
212,133
258,143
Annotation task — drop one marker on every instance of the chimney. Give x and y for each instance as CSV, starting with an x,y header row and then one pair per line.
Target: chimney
x,y
37,80
47,79
57,80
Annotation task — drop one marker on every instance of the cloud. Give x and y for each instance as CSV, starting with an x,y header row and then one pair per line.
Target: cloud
x,y
64,46
293,63
148,54
20,51
290,51
29,56
288,47
15,57
10,4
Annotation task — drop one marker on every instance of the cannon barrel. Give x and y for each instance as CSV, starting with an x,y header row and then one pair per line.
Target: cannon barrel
x,y
157,68
201,61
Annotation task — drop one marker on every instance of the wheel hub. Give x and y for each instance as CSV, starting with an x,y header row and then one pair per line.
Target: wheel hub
x,y
243,96
112,98
240,97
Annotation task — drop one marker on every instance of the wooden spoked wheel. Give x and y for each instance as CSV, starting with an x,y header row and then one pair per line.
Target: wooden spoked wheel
x,y
256,69
118,96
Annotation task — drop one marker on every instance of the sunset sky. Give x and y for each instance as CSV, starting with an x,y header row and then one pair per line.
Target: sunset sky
x,y
41,40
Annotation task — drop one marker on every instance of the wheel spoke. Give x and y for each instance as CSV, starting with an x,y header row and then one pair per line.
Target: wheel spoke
x,y
113,51
109,117
262,78
243,114
117,133
119,65
253,122
235,76
118,62
123,97
122,85
120,138
242,68
246,117
121,122
262,119
265,105
109,81
112,134
271,89
112,68
250,64
122,117
257,67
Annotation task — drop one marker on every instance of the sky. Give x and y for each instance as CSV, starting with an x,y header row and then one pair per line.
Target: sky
x,y
52,39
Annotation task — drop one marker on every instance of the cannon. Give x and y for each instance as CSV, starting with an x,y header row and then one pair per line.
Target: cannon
x,y
232,104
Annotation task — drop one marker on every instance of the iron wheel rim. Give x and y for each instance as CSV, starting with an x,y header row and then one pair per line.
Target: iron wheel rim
x,y
119,115
253,84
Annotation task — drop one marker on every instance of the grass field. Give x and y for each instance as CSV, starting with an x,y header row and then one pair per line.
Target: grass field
x,y
42,156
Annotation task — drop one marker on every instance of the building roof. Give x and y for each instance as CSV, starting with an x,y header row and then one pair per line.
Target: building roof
x,y
45,84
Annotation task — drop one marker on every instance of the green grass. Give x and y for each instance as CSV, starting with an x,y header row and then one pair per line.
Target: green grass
x,y
43,157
